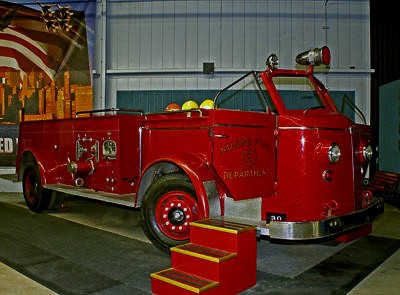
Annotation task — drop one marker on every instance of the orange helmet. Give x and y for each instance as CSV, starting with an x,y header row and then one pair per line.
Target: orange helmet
x,y
173,107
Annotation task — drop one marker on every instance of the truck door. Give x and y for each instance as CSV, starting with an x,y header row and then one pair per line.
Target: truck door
x,y
244,152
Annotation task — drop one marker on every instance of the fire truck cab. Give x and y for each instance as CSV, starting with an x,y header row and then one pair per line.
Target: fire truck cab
x,y
290,164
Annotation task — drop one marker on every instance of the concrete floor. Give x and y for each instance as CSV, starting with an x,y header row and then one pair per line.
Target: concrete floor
x,y
383,280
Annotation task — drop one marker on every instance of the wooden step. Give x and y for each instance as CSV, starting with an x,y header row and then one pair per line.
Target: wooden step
x,y
202,261
223,225
182,280
221,258
221,234
203,252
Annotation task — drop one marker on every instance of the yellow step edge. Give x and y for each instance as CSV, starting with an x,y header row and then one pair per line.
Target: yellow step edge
x,y
204,256
173,282
241,227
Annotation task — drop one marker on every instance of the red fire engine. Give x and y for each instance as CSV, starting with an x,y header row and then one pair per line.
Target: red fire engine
x,y
294,167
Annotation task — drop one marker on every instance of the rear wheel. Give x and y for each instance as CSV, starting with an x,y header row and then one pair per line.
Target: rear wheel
x,y
169,205
36,197
57,201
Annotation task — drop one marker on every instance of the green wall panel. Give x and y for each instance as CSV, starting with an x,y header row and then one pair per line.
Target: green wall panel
x,y
389,127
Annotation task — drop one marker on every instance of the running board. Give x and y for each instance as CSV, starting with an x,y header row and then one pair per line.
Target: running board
x,y
128,200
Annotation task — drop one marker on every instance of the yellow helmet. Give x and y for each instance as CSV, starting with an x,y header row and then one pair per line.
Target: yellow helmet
x,y
207,104
189,105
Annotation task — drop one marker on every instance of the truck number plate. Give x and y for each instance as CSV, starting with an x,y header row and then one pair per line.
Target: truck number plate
x,y
276,217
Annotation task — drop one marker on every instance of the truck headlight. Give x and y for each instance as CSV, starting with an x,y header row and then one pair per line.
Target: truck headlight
x,y
367,152
334,153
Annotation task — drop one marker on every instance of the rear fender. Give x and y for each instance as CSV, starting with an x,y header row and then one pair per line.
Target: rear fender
x,y
29,156
195,167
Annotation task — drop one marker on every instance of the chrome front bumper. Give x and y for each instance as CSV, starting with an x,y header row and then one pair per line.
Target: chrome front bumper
x,y
323,228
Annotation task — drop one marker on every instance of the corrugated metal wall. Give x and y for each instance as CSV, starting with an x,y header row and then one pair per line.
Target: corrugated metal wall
x,y
161,45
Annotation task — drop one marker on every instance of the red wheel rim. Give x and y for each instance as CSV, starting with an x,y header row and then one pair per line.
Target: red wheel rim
x,y
174,211
31,187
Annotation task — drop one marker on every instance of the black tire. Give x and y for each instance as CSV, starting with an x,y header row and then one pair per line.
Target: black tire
x,y
56,201
168,206
36,197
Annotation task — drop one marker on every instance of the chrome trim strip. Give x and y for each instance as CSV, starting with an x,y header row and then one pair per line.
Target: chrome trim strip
x,y
310,128
325,228
179,128
239,125
140,149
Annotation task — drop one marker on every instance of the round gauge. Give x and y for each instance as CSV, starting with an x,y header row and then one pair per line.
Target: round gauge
x,y
109,148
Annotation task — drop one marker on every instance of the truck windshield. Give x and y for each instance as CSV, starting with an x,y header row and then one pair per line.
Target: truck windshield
x,y
298,93
246,94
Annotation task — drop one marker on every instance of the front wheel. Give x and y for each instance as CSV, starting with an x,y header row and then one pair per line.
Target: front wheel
x,y
169,205
36,197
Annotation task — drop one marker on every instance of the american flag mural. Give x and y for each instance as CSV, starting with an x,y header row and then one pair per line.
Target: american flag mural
x,y
44,64
50,40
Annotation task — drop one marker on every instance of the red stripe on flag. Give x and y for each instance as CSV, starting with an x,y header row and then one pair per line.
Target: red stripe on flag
x,y
25,64
34,48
